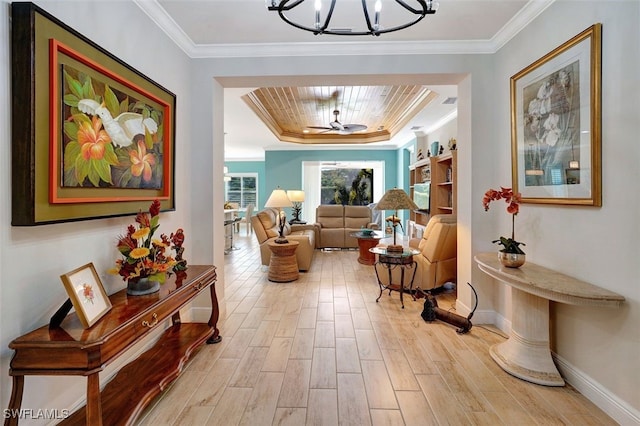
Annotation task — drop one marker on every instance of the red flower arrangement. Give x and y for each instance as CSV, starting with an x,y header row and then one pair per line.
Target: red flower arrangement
x,y
145,256
513,200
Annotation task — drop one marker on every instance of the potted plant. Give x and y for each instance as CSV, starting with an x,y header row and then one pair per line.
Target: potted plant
x,y
511,255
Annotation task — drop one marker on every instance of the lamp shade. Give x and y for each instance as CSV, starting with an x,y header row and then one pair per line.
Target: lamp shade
x,y
278,199
396,199
296,195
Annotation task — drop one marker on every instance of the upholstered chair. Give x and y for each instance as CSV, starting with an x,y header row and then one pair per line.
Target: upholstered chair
x,y
437,261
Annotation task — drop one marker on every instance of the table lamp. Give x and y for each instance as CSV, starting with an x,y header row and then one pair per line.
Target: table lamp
x,y
297,197
395,199
278,199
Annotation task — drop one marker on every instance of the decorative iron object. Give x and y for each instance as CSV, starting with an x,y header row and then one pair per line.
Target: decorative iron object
x,y
374,26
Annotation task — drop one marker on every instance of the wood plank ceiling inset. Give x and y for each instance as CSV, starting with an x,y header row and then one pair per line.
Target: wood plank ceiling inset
x,y
289,111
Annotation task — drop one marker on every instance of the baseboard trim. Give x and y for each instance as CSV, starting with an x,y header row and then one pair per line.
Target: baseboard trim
x,y
604,399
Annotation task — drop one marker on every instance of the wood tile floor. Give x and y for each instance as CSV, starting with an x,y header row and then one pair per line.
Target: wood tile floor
x,y
321,351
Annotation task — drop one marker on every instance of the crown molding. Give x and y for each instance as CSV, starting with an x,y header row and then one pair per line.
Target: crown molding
x,y
243,50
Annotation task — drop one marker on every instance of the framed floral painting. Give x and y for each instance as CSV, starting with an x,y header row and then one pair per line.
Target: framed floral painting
x,y
556,124
87,294
91,136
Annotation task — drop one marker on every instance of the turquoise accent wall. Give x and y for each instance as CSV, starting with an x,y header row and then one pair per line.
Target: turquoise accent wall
x,y
252,167
285,167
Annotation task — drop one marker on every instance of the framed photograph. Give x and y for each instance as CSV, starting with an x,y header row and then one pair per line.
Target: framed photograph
x,y
556,124
91,136
87,294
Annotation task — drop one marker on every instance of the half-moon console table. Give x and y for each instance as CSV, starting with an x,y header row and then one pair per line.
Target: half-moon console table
x,y
527,354
69,349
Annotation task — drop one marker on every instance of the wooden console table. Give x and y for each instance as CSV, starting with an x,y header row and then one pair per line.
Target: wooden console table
x,y
72,350
527,354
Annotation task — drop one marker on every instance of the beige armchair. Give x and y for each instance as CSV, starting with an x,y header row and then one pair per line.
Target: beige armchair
x,y
437,261
265,226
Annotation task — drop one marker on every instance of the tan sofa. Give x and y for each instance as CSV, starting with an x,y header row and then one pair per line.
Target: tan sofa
x,y
265,226
336,223
437,261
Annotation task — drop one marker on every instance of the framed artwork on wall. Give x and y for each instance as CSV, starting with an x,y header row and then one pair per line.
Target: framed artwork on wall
x,y
556,124
91,136
87,294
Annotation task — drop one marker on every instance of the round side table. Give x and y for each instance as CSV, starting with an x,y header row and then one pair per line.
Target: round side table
x,y
366,242
283,266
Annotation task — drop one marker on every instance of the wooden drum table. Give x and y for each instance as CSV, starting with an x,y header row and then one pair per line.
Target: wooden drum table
x,y
367,241
283,266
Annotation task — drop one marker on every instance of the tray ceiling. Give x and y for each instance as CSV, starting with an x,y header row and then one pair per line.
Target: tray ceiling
x,y
290,111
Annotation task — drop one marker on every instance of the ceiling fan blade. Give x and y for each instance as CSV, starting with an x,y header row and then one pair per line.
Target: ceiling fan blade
x,y
320,127
354,127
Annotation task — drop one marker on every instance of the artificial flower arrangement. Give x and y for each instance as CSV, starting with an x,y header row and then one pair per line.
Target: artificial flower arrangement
x,y
145,256
513,200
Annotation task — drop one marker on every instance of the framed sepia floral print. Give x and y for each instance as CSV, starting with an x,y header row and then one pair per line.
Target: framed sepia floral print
x,y
91,136
556,124
87,294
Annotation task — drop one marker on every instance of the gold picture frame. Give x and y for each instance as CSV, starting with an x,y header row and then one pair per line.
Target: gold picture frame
x,y
556,124
87,294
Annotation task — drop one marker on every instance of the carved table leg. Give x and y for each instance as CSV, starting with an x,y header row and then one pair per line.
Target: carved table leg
x,y
527,354
15,402
213,320
94,404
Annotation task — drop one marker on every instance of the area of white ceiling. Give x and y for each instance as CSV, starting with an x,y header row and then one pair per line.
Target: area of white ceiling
x,y
244,28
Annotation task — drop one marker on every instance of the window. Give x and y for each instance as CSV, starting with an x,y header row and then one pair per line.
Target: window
x,y
342,185
242,189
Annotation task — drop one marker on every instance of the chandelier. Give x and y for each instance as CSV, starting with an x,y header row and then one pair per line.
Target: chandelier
x,y
414,11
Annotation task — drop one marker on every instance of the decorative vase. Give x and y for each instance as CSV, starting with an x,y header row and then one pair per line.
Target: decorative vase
x,y
142,286
435,148
511,260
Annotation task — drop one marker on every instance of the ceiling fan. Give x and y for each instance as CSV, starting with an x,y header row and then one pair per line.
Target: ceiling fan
x,y
342,129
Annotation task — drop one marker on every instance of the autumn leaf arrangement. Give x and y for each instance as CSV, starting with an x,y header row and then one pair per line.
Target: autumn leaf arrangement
x,y
146,256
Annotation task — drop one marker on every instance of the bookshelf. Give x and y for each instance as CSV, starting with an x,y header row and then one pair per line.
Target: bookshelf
x,y
441,172
444,185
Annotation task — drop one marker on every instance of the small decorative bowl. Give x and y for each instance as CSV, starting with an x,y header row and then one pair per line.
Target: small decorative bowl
x,y
366,232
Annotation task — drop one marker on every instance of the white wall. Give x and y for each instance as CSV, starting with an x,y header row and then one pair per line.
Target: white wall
x,y
33,258
597,245
442,134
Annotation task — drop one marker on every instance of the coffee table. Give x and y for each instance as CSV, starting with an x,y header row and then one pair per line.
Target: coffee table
x,y
367,241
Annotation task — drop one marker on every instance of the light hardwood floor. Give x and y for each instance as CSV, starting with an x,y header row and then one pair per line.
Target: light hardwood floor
x,y
321,351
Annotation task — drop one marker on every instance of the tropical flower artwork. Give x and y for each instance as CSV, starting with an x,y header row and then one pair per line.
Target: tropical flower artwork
x,y
144,256
87,293
551,128
110,138
510,245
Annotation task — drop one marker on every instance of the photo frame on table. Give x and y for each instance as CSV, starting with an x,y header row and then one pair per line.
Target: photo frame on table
x,y
87,294
92,137
556,124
